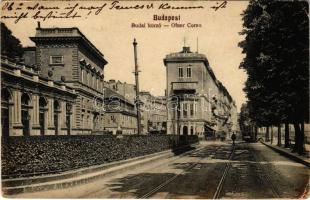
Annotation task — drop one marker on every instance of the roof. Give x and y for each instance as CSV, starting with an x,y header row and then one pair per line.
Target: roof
x,y
187,56
109,93
65,33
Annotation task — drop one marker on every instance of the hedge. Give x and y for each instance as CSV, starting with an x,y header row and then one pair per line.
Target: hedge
x,y
35,155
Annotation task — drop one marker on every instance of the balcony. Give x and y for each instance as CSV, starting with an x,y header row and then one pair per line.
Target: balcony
x,y
185,86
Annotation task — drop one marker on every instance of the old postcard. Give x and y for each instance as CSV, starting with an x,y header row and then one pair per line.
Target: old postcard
x,y
159,99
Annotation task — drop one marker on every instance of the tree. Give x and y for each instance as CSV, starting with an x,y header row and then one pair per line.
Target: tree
x,y
277,86
10,45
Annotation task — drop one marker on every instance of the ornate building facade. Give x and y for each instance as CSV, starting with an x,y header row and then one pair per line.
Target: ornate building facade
x,y
32,104
66,54
197,103
61,79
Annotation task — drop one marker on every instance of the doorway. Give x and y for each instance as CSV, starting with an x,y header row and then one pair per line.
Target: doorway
x,y
185,130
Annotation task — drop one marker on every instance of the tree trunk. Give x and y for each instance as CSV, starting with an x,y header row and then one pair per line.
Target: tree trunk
x,y
267,134
255,134
279,135
287,135
301,140
297,136
271,137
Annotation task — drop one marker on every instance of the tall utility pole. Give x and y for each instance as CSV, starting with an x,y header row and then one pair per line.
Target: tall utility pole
x,y
136,72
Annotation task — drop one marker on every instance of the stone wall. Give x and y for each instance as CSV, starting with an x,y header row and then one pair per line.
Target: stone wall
x,y
34,155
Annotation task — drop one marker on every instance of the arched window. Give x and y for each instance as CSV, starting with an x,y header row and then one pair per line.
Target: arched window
x,y
185,130
42,111
6,98
68,117
56,116
25,107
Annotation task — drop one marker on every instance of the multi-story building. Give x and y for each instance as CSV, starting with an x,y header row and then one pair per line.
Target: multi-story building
x,y
66,54
127,90
224,112
63,56
197,102
154,113
120,114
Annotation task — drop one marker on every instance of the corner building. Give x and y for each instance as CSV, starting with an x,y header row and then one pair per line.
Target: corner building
x,y
66,55
197,103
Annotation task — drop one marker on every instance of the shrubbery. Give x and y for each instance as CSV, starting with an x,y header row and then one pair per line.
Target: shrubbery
x,y
27,156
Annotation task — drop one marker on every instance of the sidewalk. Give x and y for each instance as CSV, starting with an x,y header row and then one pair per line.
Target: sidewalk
x,y
287,152
81,176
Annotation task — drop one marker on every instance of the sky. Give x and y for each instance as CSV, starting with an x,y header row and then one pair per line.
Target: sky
x,y
111,32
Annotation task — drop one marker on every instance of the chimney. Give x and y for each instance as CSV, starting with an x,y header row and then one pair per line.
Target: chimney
x,y
186,50
39,25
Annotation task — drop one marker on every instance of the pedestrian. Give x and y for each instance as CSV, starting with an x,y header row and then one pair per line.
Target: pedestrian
x,y
233,137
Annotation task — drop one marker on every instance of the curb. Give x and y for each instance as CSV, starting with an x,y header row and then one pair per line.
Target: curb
x,y
79,177
288,155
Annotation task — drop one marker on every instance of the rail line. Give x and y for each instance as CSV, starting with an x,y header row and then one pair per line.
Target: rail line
x,y
227,167
137,175
162,185
266,180
156,189
265,177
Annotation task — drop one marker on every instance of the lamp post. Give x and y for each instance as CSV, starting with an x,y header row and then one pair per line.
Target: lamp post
x,y
136,72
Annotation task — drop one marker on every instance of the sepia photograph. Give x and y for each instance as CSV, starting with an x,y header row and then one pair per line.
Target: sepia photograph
x,y
155,99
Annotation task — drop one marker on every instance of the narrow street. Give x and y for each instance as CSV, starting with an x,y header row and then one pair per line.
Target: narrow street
x,y
254,171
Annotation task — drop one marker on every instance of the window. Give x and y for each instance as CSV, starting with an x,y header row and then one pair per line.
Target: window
x,y
82,121
189,72
82,75
185,110
85,77
180,72
86,81
93,80
89,78
192,109
56,60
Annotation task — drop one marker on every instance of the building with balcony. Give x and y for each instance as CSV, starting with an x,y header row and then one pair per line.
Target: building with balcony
x,y
154,113
197,103
120,114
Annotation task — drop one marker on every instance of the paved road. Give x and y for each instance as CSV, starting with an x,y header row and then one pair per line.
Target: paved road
x,y
253,171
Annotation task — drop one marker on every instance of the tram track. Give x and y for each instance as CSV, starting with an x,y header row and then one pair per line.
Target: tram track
x,y
172,160
224,175
219,187
257,172
265,177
